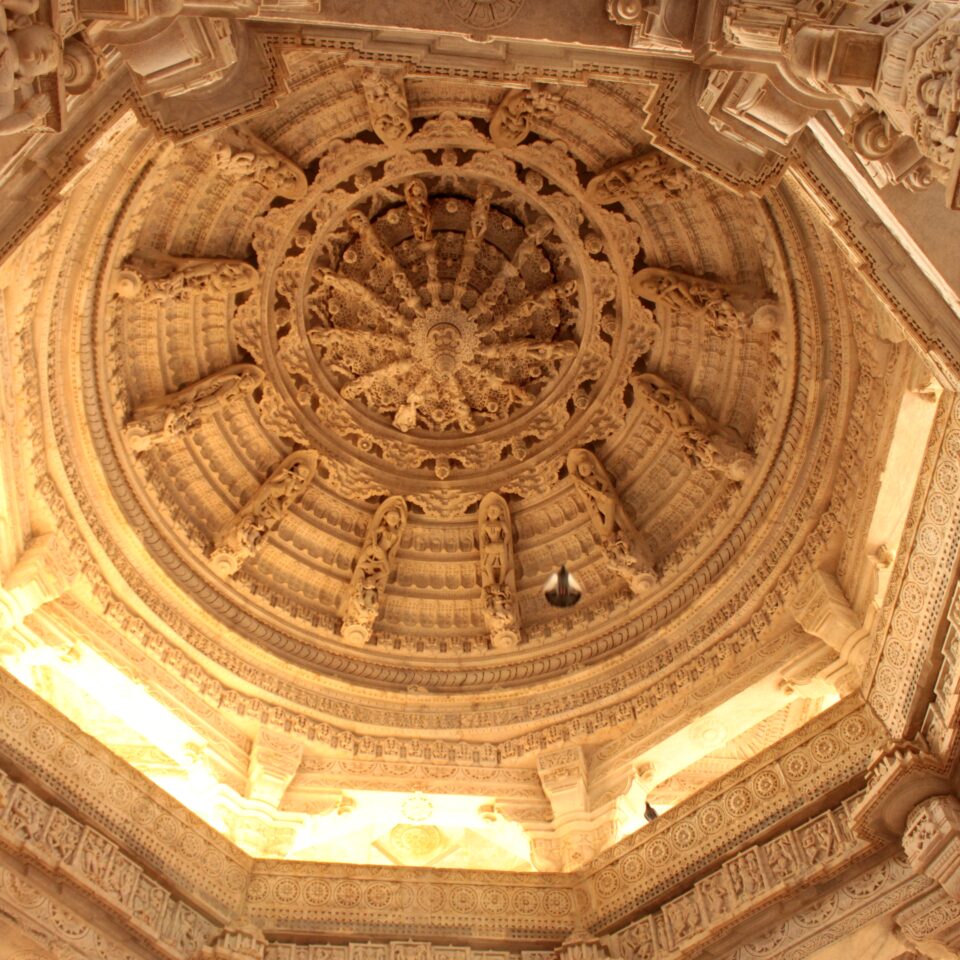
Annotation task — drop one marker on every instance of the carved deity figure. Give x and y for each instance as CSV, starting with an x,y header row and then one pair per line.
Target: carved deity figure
x,y
652,176
372,570
28,50
497,573
387,106
244,535
516,112
178,413
418,208
155,277
240,156
618,540
637,941
721,308
704,442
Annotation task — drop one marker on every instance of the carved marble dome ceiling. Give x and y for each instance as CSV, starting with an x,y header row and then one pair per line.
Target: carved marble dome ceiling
x,y
388,312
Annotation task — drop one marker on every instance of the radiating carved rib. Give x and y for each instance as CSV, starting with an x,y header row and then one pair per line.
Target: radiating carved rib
x,y
361,225
353,352
245,535
351,289
705,442
178,413
498,584
153,276
524,310
511,121
372,570
241,156
421,221
720,307
471,242
535,235
652,175
387,105
619,541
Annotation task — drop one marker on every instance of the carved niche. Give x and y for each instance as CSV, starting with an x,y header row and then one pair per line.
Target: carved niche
x,y
613,531
243,537
498,572
372,571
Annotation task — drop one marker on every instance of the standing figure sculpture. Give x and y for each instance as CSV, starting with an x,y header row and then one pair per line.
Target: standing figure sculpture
x,y
615,535
498,584
27,51
155,277
244,535
372,571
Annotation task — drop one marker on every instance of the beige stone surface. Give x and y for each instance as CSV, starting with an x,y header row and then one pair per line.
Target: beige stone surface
x,y
329,332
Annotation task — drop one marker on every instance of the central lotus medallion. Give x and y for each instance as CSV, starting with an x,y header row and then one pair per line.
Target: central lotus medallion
x,y
443,313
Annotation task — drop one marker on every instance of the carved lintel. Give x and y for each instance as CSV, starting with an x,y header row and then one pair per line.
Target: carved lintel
x,y
652,175
618,540
240,156
705,442
387,105
497,572
45,570
274,761
512,120
180,412
722,308
244,536
155,277
372,570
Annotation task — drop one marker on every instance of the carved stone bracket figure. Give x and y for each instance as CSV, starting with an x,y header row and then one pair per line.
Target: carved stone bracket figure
x,y
705,442
372,571
652,175
154,277
387,105
244,535
497,572
516,112
28,51
178,413
241,156
722,308
618,539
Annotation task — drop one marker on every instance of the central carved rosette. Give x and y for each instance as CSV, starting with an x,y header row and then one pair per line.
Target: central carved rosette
x,y
447,311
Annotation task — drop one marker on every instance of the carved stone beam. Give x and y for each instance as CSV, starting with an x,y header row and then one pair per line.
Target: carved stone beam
x,y
372,570
387,105
512,120
154,277
498,583
652,176
46,570
178,413
619,541
721,307
274,761
823,611
705,442
242,157
244,536
931,841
